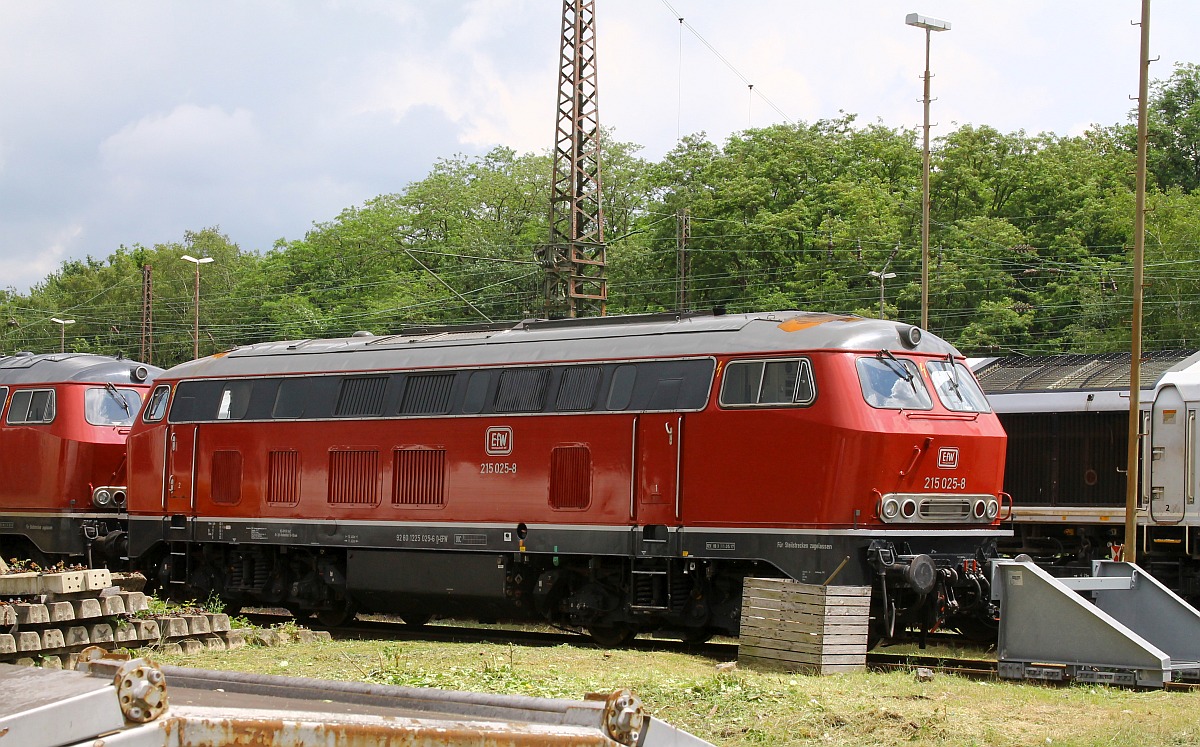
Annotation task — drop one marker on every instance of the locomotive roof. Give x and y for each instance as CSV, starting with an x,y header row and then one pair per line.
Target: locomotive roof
x,y
1077,372
50,368
540,341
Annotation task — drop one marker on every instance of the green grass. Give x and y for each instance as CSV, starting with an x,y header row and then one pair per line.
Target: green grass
x,y
746,707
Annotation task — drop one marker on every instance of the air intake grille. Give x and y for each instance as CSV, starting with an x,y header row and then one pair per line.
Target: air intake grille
x,y
226,477
361,395
354,478
283,478
570,477
419,477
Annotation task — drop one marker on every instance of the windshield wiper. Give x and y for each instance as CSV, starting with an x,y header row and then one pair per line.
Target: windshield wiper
x,y
112,392
893,363
954,376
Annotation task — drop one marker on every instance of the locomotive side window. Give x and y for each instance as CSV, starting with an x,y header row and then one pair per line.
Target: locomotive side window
x,y
522,390
109,405
578,388
620,392
31,406
235,400
306,396
956,387
891,383
157,409
427,394
3,396
768,383
477,391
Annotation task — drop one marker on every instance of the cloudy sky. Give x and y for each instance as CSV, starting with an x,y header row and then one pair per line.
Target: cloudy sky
x,y
132,121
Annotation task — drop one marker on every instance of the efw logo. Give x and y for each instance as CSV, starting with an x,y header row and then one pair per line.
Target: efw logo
x,y
948,457
498,440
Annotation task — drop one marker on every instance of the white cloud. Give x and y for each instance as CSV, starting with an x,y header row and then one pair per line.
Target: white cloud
x,y
188,143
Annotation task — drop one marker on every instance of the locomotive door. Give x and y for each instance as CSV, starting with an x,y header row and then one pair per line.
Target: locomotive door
x,y
1172,429
656,482
181,470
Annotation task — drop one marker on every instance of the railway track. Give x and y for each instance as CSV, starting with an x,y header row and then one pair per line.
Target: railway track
x,y
718,651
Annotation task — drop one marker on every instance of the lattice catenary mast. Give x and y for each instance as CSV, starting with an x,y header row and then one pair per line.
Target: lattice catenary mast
x,y
574,262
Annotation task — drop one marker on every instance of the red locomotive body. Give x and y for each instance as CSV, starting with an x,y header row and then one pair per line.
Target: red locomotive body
x,y
63,427
618,474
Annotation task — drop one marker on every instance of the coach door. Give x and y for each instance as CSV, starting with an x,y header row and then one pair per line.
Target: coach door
x,y
181,470
657,489
1171,472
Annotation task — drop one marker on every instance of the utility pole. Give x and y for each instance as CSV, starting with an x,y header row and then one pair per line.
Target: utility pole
x,y
574,259
683,231
1132,477
146,354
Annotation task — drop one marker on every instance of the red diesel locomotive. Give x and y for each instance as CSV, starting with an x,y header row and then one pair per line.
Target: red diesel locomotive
x,y
63,426
620,474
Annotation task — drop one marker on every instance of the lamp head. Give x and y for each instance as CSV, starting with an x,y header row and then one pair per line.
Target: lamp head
x,y
927,23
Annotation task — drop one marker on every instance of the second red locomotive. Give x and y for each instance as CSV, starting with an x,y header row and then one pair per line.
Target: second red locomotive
x,y
63,424
615,474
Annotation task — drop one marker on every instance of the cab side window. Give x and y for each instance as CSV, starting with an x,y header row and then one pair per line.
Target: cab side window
x,y
768,383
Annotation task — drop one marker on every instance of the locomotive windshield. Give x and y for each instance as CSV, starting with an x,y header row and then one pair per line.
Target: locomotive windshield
x,y
956,387
109,405
892,383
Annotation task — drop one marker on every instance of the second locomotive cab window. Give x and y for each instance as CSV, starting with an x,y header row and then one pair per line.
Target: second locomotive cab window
x,y
108,405
956,387
31,406
768,383
892,383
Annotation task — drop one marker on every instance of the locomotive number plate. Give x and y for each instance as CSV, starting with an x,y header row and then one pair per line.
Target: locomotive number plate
x,y
498,468
945,483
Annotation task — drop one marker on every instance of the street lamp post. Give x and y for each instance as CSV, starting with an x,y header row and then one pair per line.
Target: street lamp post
x,y
62,336
930,25
882,277
196,326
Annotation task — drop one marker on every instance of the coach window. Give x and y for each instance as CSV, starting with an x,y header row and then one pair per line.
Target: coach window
x,y
956,387
768,383
157,408
31,406
891,383
109,405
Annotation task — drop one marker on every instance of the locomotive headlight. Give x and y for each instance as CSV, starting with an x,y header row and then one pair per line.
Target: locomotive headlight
x,y
909,508
993,509
890,509
102,498
980,509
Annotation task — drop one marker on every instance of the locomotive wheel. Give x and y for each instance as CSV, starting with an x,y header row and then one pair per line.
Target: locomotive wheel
x,y
416,620
612,636
336,616
696,635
